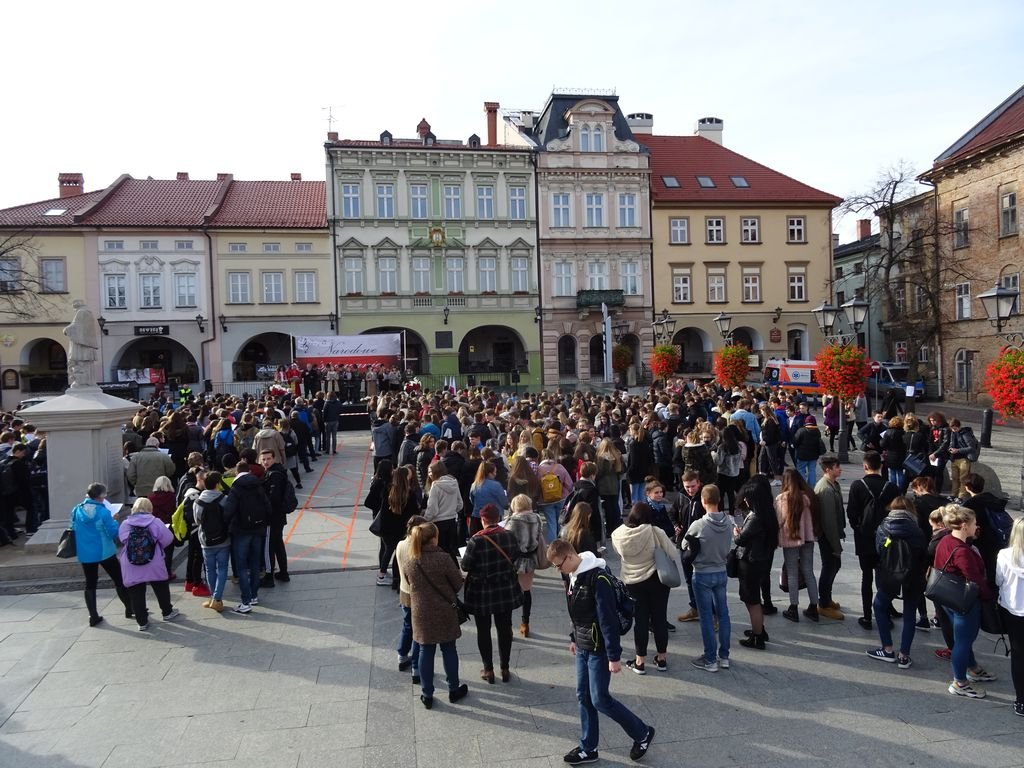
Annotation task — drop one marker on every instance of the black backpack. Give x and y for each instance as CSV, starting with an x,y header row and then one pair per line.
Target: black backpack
x,y
895,565
212,523
625,605
874,512
8,485
253,506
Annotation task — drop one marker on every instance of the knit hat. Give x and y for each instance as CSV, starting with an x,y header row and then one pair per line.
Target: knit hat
x,y
810,421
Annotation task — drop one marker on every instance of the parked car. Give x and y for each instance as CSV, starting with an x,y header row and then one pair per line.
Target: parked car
x,y
29,402
894,375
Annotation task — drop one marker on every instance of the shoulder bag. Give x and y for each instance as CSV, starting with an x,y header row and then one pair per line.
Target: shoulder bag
x,y
66,547
914,465
461,614
950,590
668,571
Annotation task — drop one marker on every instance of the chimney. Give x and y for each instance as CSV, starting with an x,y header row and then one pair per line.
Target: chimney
x,y
223,176
863,229
423,128
835,240
296,177
332,135
641,122
70,184
710,128
491,108
182,175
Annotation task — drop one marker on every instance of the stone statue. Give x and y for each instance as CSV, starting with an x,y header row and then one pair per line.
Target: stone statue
x,y
83,334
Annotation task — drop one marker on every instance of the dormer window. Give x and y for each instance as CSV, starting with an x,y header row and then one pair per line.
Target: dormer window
x,y
429,139
385,138
598,139
584,138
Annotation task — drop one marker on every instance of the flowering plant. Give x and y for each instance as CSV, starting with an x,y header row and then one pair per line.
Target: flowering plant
x,y
413,386
276,390
842,370
732,365
664,360
1004,380
622,358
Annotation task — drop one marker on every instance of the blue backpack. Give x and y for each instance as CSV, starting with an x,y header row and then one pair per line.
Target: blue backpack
x,y
141,546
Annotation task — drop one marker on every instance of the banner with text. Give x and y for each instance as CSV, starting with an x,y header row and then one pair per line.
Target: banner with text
x,y
369,349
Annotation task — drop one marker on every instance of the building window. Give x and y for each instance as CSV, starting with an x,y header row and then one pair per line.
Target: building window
x,y
273,287
751,284
597,275
113,245
900,351
681,288
598,139
488,274
839,272
517,203
899,298
706,182
923,355
10,275
452,201
797,284
150,291
303,247
353,275
715,230
962,365
485,202
629,278
185,290
350,201
961,228
238,288
271,247
595,209
584,138
52,276
840,298
183,245
750,230
1012,280
740,182
418,201
305,287
385,201
520,274
560,210
627,210
858,268
149,245
796,229
679,231
387,274
564,278
237,247
1008,214
455,267
421,274
920,298
671,182
115,290
963,301
716,285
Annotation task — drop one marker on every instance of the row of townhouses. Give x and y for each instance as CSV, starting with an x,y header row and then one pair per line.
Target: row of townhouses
x,y
491,256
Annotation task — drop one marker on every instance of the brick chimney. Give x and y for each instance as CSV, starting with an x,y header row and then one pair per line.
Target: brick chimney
x,y
70,184
296,177
863,229
423,128
332,135
182,175
491,108
223,176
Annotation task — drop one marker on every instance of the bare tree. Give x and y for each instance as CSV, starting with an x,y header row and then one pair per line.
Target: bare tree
x,y
25,293
912,269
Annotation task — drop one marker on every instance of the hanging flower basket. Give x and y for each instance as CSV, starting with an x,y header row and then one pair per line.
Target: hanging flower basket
x,y
1004,380
732,365
664,361
622,358
842,371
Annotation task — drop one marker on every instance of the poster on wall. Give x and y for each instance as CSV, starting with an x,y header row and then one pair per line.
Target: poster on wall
x,y
142,375
369,349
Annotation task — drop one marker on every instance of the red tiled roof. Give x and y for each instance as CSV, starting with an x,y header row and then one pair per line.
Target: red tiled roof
x,y
31,215
291,204
687,157
999,125
155,203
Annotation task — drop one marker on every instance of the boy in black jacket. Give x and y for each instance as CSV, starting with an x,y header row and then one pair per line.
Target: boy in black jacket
x,y
874,493
687,509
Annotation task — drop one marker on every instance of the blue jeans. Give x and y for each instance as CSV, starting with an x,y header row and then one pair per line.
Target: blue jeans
x,y
592,679
247,547
637,493
710,591
406,645
450,658
896,478
881,606
965,630
216,561
550,513
331,433
809,469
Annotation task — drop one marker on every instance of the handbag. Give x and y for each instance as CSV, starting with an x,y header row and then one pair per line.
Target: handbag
x,y
377,523
992,618
950,590
914,465
542,553
460,607
784,580
66,547
668,571
732,564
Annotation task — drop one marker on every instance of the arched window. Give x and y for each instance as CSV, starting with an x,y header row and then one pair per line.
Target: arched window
x,y
584,138
597,355
567,356
598,139
962,364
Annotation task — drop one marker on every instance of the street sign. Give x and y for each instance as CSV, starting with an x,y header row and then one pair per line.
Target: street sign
x,y
876,367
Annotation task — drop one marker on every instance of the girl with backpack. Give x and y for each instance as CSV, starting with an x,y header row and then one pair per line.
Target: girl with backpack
x,y
142,561
214,538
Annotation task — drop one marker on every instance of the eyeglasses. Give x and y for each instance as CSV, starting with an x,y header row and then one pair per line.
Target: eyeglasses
x,y
558,565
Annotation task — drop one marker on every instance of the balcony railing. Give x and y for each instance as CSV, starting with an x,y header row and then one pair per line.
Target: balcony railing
x,y
588,299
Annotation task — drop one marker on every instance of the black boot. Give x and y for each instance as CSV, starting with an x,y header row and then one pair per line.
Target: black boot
x,y
90,603
754,641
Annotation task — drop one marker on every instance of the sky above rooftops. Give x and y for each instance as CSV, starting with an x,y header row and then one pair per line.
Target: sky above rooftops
x,y
828,94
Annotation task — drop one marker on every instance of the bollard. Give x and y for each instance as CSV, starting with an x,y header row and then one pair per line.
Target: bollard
x,y
986,428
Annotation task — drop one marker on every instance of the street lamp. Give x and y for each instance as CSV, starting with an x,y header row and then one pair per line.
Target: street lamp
x,y
724,323
665,328
856,311
446,312
999,302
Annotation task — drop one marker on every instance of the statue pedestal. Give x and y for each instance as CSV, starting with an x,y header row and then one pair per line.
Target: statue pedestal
x,y
83,446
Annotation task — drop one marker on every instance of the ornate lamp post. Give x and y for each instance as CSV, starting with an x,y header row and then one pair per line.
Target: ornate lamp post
x,y
856,311
724,323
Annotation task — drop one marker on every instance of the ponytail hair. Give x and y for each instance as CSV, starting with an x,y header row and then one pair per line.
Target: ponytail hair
x,y
419,537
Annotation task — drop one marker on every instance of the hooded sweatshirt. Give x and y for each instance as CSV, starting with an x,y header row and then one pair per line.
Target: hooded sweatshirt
x,y
207,497
444,501
714,532
591,602
155,569
1010,580
636,548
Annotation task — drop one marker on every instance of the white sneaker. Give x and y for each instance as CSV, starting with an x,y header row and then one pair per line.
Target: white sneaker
x,y
242,608
144,627
723,663
175,613
254,601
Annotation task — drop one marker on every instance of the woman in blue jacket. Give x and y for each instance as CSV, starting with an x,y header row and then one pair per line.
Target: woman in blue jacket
x,y
485,490
96,545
